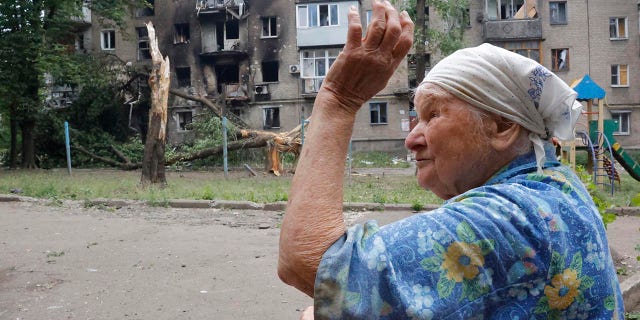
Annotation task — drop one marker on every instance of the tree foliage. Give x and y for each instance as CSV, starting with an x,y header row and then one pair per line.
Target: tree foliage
x,y
37,39
454,17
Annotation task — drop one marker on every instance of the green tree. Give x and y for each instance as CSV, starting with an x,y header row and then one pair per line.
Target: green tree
x,y
37,39
448,39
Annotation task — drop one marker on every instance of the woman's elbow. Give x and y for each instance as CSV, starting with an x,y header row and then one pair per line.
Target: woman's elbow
x,y
302,280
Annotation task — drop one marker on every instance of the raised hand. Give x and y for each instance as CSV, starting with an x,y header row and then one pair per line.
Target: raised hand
x,y
365,65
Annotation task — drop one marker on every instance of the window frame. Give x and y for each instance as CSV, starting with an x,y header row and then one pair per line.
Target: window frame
x,y
181,33
108,35
178,122
143,39
272,23
617,115
314,80
523,46
276,112
554,60
617,35
565,18
310,15
618,76
382,115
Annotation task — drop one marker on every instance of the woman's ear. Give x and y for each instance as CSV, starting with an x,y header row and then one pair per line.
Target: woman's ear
x,y
506,134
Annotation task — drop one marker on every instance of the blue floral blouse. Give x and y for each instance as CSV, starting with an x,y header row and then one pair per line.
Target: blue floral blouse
x,y
523,246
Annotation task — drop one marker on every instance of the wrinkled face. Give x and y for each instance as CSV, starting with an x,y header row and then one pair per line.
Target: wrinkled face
x,y
449,142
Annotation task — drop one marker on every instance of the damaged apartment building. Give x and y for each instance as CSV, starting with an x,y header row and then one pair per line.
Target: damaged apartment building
x,y
599,38
263,60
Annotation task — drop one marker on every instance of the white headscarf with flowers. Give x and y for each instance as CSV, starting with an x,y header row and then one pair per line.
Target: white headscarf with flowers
x,y
512,86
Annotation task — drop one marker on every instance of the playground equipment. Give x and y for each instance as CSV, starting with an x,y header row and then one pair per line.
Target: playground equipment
x,y
598,139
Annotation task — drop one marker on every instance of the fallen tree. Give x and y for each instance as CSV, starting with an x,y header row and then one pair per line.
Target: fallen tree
x,y
276,144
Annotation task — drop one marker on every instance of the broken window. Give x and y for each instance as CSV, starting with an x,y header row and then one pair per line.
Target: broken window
x,y
270,71
618,28
183,75
619,75
271,118
558,12
529,49
181,33
144,50
108,39
315,64
314,15
378,112
560,59
147,11
226,74
510,9
184,119
269,27
232,29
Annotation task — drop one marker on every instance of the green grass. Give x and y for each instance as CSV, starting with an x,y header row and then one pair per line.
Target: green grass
x,y
92,184
201,185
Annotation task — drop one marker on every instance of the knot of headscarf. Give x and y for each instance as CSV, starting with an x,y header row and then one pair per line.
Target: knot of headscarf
x,y
514,87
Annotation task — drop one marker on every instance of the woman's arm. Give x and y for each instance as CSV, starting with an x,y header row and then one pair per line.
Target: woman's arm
x,y
313,219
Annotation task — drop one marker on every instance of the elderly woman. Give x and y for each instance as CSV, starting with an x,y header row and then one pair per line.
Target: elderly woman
x,y
518,237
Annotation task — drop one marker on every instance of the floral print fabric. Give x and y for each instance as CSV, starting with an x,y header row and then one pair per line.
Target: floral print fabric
x,y
523,246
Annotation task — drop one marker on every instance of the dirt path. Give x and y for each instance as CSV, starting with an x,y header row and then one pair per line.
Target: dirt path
x,y
141,263
64,261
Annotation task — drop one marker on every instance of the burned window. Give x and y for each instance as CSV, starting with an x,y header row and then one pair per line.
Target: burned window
x,y
558,12
378,112
232,29
619,75
618,28
146,11
270,71
184,119
144,50
269,27
271,118
108,40
181,33
560,59
183,75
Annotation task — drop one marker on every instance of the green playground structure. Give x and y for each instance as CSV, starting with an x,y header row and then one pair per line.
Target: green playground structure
x,y
599,140
628,163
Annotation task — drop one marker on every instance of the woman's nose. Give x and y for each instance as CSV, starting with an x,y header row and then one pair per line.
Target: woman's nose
x,y
414,140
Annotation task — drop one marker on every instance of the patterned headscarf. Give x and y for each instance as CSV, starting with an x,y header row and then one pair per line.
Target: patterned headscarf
x,y
514,87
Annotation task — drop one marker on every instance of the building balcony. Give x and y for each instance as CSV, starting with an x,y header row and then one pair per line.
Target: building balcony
x,y
310,87
514,29
229,51
235,91
235,7
84,19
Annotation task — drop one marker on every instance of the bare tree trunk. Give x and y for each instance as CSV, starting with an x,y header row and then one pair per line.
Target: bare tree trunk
x,y
13,149
420,41
153,161
28,144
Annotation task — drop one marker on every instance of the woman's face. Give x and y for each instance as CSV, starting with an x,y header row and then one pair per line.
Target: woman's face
x,y
451,147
